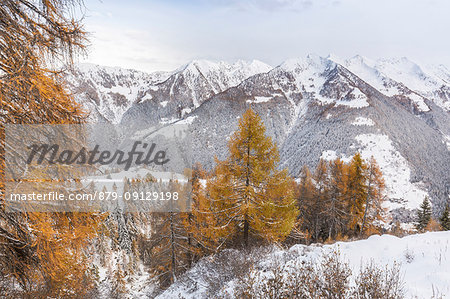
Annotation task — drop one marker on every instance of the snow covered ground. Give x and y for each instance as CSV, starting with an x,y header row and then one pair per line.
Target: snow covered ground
x,y
424,259
424,263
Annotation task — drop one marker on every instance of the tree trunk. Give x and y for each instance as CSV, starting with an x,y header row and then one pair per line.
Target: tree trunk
x,y
190,254
246,227
247,184
367,204
172,240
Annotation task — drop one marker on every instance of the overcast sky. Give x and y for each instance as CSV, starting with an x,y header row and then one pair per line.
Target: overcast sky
x,y
163,34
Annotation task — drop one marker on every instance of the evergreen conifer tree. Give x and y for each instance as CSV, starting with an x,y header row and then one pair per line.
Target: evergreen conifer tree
x,y
423,215
445,219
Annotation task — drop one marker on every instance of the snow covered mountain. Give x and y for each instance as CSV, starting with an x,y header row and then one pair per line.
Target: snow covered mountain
x,y
109,92
402,77
314,108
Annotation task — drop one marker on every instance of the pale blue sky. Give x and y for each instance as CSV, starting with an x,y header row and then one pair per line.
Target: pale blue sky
x,y
161,35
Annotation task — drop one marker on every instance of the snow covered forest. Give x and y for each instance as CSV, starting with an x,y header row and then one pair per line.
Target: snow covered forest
x,y
304,184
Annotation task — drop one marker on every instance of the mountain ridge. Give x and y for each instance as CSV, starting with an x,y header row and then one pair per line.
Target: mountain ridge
x,y
314,107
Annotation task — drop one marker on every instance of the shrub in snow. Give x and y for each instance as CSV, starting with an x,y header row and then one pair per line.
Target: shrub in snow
x,y
374,282
330,278
409,255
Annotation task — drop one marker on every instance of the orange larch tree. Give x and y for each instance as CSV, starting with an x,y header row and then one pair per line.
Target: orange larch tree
x,y
249,195
40,250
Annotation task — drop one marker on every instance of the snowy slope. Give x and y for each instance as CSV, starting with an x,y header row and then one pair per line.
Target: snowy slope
x,y
188,87
107,92
395,170
312,76
404,77
424,264
219,75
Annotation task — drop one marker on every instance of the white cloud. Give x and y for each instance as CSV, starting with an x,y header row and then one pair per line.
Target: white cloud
x,y
162,35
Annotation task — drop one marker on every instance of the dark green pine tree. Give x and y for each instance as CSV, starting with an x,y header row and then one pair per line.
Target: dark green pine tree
x,y
445,219
423,215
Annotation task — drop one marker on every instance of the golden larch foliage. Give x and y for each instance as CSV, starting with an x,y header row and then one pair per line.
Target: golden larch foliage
x,y
249,195
43,252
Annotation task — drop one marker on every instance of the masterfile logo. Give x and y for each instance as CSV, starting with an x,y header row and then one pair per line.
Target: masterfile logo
x,y
52,153
97,167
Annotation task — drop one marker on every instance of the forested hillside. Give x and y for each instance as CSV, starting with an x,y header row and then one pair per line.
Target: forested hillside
x,y
317,178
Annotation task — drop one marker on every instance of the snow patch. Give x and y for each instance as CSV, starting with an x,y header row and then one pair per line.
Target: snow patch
x,y
447,141
188,120
164,103
329,155
419,101
185,111
258,100
357,100
166,121
147,97
363,121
